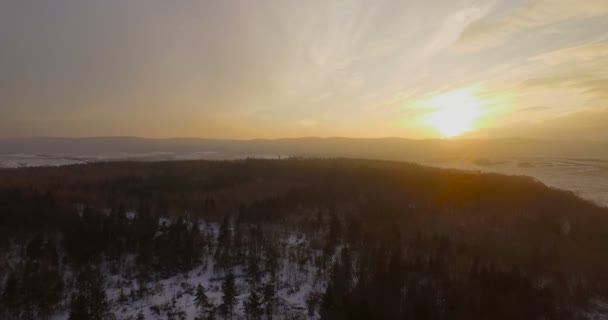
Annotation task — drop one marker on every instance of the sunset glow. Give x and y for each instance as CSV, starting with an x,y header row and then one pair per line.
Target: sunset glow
x,y
314,160
455,113
287,69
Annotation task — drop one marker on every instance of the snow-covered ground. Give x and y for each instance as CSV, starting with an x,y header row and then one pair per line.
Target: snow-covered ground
x,y
33,160
175,295
24,160
598,310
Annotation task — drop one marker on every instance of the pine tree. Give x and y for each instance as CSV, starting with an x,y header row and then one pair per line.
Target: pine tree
x,y
202,302
34,248
50,282
90,302
98,303
335,229
270,298
253,270
200,298
312,300
29,288
228,295
224,244
78,307
333,235
10,296
329,308
253,306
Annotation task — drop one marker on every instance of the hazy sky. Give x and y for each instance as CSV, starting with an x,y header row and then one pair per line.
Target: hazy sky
x,y
248,69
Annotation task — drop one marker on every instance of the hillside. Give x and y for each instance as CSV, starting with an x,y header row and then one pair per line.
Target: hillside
x,y
295,238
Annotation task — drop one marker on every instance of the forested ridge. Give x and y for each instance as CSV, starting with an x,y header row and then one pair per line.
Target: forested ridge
x,y
294,238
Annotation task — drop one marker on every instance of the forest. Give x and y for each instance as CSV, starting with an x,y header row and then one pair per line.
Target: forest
x,y
294,238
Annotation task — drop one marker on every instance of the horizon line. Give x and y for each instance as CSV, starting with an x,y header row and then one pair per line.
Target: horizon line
x,y
296,138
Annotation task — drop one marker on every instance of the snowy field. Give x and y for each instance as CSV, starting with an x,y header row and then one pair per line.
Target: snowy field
x,y
24,160
31,160
588,178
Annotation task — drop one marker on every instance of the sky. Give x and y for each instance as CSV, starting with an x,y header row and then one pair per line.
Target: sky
x,y
267,69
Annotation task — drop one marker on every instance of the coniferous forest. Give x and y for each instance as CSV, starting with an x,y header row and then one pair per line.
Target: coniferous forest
x,y
294,239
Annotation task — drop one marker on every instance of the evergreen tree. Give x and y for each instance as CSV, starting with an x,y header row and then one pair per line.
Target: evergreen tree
x,y
90,302
270,299
202,302
98,303
50,290
34,248
29,288
253,306
328,304
228,295
311,303
10,296
78,307
253,270
224,244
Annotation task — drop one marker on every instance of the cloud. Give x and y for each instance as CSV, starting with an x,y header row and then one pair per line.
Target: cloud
x,y
577,54
581,67
452,28
534,109
306,123
496,30
581,125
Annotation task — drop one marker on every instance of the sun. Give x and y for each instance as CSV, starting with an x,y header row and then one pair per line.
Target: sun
x,y
455,112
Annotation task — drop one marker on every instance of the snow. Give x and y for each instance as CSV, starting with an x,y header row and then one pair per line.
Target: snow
x,y
598,310
164,221
176,293
131,215
55,160
588,178
22,160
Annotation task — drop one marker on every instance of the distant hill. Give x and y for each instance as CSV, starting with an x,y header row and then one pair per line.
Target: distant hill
x,y
380,148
